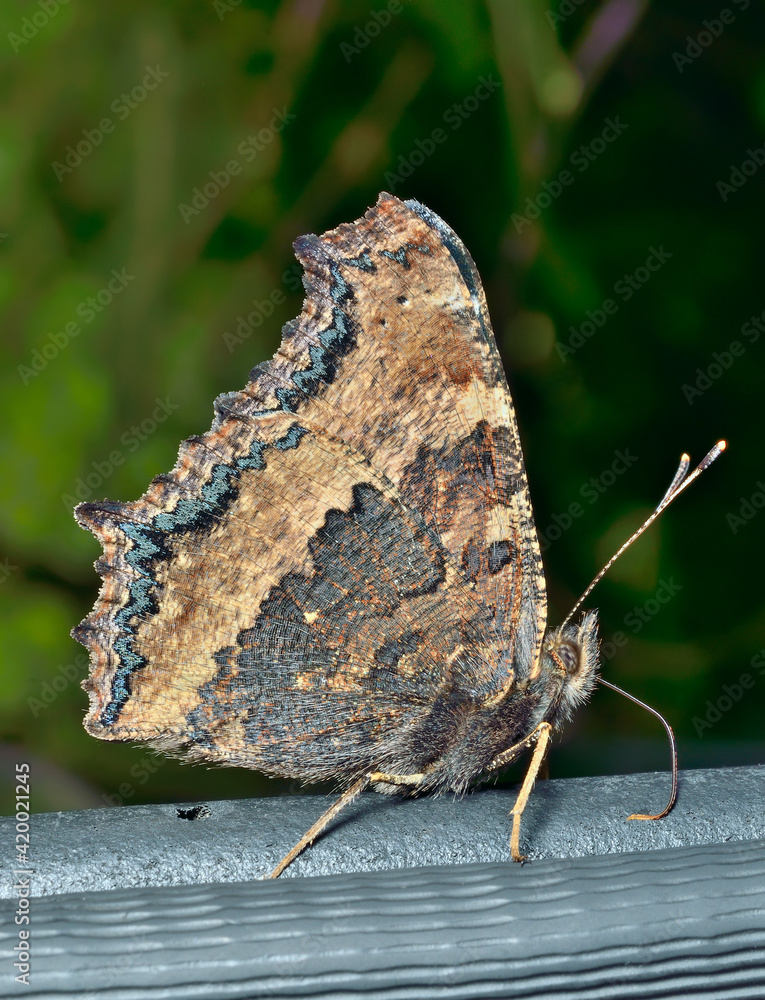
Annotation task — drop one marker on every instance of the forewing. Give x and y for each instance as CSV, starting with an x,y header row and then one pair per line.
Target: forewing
x,y
352,534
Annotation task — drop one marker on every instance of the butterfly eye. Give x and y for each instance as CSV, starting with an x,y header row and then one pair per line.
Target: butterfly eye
x,y
568,654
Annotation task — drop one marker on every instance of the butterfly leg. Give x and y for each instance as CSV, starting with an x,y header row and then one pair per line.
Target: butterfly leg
x,y
345,799
323,821
541,736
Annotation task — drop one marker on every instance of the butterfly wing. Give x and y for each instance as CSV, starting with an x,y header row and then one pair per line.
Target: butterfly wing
x,y
352,536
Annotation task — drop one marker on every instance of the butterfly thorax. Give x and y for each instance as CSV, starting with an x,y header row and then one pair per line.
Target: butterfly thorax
x,y
456,742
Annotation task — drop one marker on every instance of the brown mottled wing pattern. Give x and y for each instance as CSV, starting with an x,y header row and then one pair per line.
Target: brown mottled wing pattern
x,y
352,537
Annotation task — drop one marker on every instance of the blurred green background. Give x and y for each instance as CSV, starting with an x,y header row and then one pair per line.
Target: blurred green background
x,y
117,114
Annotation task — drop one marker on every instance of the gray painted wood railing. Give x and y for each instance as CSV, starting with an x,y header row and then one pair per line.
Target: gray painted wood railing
x,y
404,899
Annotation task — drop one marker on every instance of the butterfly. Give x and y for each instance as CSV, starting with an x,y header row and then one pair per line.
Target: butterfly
x,y
341,580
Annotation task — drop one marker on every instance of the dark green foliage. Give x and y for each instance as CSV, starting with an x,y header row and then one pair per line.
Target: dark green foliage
x,y
275,120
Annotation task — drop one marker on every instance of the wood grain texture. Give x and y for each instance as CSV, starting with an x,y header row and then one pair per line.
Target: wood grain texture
x,y
678,922
241,840
617,912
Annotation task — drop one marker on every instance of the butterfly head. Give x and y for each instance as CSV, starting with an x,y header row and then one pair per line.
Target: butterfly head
x,y
570,657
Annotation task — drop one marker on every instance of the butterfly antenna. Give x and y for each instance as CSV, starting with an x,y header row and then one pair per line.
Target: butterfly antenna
x,y
672,747
680,481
